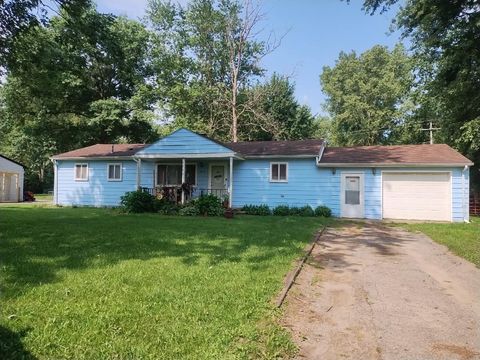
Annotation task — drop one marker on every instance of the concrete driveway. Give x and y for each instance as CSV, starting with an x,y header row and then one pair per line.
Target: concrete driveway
x,y
376,292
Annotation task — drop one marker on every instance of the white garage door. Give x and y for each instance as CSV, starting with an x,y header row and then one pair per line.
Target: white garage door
x,y
417,196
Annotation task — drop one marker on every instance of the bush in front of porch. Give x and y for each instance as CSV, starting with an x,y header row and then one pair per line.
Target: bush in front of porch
x,y
141,202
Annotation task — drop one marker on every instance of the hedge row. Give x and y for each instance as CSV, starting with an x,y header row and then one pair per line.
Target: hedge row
x,y
285,210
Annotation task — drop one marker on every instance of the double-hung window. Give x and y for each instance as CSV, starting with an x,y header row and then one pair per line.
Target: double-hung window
x,y
278,172
171,174
81,172
115,172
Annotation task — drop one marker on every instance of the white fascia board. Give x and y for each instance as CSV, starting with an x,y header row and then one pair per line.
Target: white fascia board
x,y
89,158
399,165
189,156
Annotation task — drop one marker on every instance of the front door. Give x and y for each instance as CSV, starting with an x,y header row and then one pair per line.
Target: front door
x,y
352,196
217,179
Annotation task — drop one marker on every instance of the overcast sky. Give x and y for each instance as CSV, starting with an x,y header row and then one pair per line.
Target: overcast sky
x,y
317,31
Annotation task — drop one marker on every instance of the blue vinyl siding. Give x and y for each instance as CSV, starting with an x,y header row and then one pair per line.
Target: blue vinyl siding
x,y
97,191
307,184
184,141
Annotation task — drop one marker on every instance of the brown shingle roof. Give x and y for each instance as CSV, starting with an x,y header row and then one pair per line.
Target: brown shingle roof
x,y
103,150
263,148
395,154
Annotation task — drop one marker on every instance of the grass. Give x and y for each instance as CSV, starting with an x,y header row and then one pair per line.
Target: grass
x,y
96,284
44,197
462,239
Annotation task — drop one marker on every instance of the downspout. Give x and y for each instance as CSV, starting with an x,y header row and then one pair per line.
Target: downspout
x,y
464,200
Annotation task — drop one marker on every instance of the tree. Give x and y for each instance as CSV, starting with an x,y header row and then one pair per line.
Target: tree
x,y
445,38
76,83
207,56
367,95
19,15
276,114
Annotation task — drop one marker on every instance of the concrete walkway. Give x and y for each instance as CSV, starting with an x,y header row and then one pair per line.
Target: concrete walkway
x,y
376,292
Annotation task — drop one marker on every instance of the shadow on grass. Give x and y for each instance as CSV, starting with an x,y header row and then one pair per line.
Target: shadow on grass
x,y
11,346
36,243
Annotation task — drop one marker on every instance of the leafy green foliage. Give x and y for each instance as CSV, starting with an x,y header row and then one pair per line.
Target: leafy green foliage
x,y
446,47
210,205
189,210
323,211
281,116
281,210
261,210
367,95
75,81
306,211
138,202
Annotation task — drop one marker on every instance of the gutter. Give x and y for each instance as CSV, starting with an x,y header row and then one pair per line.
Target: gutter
x,y
398,165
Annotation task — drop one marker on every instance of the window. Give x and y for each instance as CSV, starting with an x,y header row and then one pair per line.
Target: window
x,y
81,172
114,172
352,190
171,174
279,172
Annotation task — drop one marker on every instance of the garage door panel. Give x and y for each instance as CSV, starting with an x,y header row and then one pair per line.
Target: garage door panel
x,y
418,196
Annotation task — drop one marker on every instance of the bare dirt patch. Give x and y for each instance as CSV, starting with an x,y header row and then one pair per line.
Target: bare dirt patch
x,y
376,292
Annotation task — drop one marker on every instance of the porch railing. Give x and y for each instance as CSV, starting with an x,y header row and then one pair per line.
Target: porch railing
x,y
174,193
220,193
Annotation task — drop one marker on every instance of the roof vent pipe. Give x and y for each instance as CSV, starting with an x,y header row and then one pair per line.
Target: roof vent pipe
x,y
112,148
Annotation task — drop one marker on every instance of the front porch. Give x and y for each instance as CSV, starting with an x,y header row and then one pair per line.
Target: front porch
x,y
185,165
181,180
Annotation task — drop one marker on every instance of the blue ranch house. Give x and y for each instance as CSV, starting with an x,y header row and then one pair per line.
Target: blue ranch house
x,y
421,182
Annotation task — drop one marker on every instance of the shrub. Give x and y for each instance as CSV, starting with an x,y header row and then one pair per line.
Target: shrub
x,y
138,202
189,210
209,205
261,210
306,211
323,211
281,210
165,206
294,211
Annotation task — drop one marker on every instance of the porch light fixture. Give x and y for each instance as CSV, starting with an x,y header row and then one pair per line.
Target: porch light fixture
x,y
334,170
374,171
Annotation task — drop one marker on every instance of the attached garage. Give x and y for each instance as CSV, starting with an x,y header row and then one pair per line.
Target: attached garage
x,y
404,182
11,180
417,195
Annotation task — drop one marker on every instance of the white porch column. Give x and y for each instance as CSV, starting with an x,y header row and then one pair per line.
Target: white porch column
x,y
183,181
230,196
139,173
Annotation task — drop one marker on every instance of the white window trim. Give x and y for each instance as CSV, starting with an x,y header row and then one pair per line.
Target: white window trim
x,y
188,163
286,169
75,172
121,171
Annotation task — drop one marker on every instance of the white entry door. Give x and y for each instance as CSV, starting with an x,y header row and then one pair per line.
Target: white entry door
x,y
352,195
217,177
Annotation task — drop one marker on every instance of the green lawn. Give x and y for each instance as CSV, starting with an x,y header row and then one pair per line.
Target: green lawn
x,y
462,239
96,284
43,197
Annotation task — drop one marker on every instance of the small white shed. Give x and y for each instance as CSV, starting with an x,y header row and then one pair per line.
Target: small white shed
x,y
11,180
